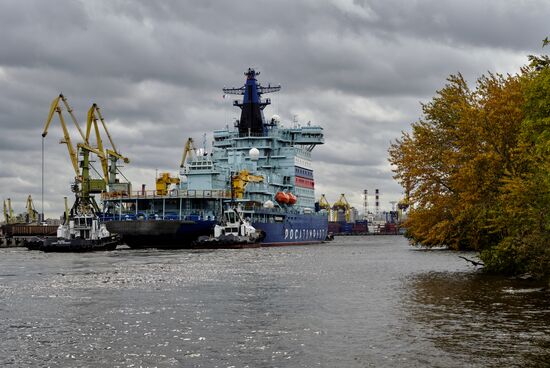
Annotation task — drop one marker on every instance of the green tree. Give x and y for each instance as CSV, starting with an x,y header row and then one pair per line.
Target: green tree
x,y
525,191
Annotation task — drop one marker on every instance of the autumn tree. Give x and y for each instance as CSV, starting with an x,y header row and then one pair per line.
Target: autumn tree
x,y
476,169
453,160
524,198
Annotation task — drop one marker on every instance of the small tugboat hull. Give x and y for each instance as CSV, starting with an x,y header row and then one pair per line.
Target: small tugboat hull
x,y
79,245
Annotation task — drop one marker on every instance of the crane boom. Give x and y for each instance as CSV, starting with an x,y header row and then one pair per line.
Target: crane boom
x,y
56,108
189,148
92,120
96,111
94,114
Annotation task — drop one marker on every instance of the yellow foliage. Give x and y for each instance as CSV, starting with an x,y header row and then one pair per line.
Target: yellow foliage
x,y
476,170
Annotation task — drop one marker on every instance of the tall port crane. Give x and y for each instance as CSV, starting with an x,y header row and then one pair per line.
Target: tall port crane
x,y
84,185
32,213
8,211
104,155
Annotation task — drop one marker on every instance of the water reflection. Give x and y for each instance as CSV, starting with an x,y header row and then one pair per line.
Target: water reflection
x,y
357,302
481,319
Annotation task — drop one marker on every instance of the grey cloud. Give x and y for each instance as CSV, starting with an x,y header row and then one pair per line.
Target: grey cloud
x,y
358,68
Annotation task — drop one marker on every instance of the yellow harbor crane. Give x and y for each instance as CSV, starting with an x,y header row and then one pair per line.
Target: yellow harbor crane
x,y
87,183
323,203
342,206
84,185
240,181
32,213
94,114
8,211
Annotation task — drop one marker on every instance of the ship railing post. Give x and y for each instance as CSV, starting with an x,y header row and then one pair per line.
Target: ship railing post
x,y
180,208
163,206
136,208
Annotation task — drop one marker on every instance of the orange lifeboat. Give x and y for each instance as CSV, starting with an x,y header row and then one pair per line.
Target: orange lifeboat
x,y
281,197
291,198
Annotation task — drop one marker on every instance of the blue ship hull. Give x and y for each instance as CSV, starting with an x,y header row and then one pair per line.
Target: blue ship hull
x,y
295,229
175,234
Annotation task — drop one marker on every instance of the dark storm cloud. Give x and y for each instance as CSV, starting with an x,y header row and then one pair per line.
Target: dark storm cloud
x,y
358,68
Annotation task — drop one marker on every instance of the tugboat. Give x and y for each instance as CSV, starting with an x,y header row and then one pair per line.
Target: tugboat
x,y
234,232
83,233
81,230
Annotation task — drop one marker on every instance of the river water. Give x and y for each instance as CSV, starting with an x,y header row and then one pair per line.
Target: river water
x,y
355,302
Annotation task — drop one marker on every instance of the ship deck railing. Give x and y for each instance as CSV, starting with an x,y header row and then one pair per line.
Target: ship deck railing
x,y
174,193
252,206
193,215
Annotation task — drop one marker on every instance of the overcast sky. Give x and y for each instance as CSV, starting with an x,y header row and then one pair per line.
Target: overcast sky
x,y
358,68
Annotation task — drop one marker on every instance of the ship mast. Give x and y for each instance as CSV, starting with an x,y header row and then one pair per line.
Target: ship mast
x,y
252,122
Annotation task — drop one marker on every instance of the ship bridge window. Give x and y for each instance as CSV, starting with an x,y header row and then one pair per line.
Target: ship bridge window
x,y
84,221
230,216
